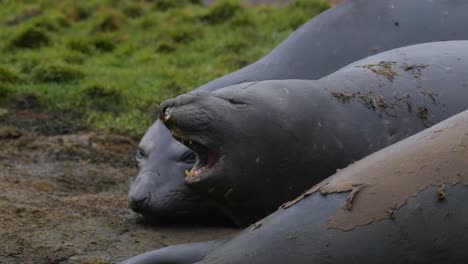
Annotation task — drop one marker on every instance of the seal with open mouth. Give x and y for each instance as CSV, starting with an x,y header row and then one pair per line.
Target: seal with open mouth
x,y
403,204
262,143
338,36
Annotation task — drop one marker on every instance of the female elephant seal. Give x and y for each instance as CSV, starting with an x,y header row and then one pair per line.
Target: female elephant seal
x,y
403,204
313,51
262,143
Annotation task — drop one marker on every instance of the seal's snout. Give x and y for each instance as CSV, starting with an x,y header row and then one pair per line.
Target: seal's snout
x,y
165,113
184,101
137,204
165,110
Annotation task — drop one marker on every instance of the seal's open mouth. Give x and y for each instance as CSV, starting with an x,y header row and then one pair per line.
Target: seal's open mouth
x,y
205,158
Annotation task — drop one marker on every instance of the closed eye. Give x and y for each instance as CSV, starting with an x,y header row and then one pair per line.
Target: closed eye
x,y
233,101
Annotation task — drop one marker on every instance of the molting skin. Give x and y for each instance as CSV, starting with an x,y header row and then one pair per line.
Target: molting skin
x,y
311,52
260,144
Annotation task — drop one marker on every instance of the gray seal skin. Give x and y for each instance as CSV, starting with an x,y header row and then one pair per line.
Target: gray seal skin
x,y
338,36
260,144
403,204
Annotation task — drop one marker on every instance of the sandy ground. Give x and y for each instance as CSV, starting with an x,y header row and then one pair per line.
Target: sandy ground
x,y
63,197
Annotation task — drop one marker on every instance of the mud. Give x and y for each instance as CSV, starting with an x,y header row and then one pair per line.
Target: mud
x,y
63,197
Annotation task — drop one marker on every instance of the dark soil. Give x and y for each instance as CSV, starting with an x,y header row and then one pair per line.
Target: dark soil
x,y
63,196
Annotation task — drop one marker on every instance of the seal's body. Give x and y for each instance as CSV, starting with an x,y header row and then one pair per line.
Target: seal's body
x,y
260,144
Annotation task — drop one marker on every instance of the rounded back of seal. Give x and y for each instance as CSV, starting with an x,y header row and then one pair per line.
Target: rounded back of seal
x,y
258,144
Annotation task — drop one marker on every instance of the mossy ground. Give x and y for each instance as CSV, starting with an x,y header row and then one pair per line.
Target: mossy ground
x,y
111,62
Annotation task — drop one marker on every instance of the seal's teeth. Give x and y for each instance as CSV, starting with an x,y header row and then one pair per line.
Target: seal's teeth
x,y
191,173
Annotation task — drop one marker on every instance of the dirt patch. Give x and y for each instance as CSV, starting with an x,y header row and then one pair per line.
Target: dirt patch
x,y
63,197
384,68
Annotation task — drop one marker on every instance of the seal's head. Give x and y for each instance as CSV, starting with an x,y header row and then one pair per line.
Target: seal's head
x,y
159,192
200,121
247,145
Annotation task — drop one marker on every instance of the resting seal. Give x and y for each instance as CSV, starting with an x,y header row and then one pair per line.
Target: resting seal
x,y
262,143
311,52
407,203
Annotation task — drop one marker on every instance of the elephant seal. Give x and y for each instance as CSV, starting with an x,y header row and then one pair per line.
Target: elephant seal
x,y
262,143
406,202
311,52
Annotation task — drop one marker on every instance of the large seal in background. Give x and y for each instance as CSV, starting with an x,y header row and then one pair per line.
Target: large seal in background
x,y
262,143
339,36
403,204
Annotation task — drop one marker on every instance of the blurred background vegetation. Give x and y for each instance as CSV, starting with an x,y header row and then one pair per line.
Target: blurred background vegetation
x,y
107,63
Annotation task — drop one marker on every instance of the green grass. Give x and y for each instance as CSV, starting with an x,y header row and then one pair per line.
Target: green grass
x,y
112,62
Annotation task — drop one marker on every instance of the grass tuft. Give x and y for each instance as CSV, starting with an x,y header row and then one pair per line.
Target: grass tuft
x,y
110,21
104,43
165,46
30,38
8,75
133,10
164,5
184,34
101,98
52,23
57,72
222,11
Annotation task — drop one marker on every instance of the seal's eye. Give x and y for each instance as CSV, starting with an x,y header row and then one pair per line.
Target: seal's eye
x,y
237,104
140,154
189,157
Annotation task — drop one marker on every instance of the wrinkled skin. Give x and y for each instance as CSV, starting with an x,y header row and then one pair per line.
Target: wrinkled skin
x,y
341,35
269,141
423,180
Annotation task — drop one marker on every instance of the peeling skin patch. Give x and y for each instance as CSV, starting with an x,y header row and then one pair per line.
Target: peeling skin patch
x,y
442,194
423,112
431,95
434,157
366,99
382,102
414,68
390,105
384,68
343,97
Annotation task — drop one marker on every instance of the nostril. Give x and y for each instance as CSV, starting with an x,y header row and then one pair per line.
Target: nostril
x,y
137,204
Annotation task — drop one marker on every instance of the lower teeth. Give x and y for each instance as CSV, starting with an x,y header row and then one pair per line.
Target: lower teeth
x,y
194,173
